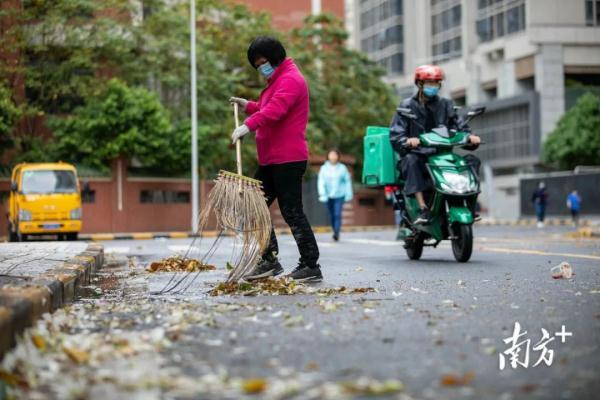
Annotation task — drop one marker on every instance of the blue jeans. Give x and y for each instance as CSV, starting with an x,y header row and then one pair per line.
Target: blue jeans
x,y
334,206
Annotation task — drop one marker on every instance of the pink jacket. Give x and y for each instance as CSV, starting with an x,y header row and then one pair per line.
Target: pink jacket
x,y
280,117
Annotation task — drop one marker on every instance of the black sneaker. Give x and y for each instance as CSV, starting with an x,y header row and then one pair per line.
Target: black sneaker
x,y
423,217
476,217
336,237
267,266
303,273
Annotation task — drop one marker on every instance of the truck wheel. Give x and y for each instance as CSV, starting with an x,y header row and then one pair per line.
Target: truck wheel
x,y
12,236
72,236
414,247
462,246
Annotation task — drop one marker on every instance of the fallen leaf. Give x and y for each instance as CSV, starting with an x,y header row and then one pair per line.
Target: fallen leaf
x,y
371,387
457,380
254,385
78,356
12,379
38,341
311,366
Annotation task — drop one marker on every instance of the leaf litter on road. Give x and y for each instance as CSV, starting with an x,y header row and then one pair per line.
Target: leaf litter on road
x,y
179,264
279,286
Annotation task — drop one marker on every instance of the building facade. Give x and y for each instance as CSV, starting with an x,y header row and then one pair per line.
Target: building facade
x,y
527,61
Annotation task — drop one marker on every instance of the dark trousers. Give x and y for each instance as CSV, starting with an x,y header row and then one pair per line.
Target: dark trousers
x,y
415,174
575,216
335,206
283,182
540,211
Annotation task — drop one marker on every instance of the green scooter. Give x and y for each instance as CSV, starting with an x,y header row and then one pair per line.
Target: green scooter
x,y
453,199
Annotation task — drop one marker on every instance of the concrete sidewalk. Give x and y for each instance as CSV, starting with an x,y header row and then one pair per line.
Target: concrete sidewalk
x,y
39,277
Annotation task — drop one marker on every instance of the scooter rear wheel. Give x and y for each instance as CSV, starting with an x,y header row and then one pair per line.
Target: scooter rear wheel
x,y
414,248
462,246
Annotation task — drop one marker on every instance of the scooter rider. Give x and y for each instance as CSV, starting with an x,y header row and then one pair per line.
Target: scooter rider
x,y
431,111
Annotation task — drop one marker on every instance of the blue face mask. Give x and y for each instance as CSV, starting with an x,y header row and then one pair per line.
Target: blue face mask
x,y
430,91
266,70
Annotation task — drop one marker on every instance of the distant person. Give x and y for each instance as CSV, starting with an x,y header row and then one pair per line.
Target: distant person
x,y
540,200
335,188
389,198
574,205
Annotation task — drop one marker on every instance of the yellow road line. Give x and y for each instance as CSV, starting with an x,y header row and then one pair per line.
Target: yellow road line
x,y
538,253
142,236
178,235
102,236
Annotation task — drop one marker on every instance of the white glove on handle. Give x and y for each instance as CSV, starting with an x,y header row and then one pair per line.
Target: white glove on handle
x,y
241,102
239,133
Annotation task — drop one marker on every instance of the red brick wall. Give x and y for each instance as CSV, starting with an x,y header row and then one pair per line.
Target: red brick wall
x,y
287,15
103,216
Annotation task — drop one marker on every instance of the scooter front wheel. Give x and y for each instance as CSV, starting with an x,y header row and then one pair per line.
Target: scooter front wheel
x,y
414,248
462,245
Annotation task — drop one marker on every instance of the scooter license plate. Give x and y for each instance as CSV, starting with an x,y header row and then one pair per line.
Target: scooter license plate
x,y
51,226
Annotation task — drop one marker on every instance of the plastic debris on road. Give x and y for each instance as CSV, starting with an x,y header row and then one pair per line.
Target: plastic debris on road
x,y
563,270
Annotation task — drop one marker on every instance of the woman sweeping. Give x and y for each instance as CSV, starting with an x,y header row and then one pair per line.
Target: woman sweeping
x,y
335,188
279,118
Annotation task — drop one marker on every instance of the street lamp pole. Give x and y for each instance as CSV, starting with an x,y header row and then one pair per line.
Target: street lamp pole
x,y
194,116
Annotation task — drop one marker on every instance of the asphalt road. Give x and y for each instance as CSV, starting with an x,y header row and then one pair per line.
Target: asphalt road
x,y
434,325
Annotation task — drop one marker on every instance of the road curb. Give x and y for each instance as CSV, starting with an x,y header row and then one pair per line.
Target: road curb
x,y
22,304
531,222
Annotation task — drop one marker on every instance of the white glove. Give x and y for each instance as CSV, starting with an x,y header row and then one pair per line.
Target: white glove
x,y
241,102
239,133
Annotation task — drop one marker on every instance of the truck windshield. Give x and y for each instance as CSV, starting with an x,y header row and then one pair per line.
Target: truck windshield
x,y
48,181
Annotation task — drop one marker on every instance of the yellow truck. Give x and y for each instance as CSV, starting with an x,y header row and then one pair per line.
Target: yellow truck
x,y
45,199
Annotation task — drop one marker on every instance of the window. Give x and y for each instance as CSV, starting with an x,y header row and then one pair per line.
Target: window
x,y
497,18
592,12
164,196
42,181
382,33
446,18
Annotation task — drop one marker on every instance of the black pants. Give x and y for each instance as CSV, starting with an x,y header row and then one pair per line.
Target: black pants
x,y
415,175
284,183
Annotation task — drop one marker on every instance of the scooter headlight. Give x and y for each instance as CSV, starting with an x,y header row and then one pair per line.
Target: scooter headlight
x,y
24,215
76,213
458,182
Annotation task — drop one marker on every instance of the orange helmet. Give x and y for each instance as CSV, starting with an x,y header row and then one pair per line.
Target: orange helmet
x,y
429,73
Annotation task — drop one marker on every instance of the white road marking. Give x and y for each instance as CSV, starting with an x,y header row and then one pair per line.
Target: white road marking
x,y
373,242
538,253
182,248
320,244
118,250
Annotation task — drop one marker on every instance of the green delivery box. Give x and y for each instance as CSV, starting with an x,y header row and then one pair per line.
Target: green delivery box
x,y
379,167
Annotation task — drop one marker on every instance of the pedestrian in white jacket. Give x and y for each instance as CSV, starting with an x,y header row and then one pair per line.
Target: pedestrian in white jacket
x,y
335,188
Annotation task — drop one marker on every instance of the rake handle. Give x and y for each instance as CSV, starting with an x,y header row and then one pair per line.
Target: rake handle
x,y
238,143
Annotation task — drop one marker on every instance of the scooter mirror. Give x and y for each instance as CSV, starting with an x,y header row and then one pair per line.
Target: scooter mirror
x,y
476,111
